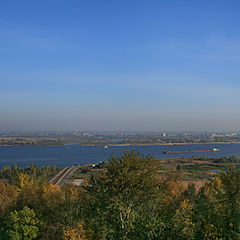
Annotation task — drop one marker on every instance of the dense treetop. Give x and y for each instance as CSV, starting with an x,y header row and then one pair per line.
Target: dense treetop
x,y
126,199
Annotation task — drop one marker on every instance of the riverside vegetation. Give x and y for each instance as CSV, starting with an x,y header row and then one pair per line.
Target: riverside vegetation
x,y
128,198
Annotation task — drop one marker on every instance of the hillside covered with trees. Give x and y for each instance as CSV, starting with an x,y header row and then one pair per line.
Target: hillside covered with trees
x,y
126,199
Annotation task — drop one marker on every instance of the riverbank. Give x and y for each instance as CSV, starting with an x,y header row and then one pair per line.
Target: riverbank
x,y
166,144
121,144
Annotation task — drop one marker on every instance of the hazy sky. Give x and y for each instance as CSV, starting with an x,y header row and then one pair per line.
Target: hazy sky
x,y
120,65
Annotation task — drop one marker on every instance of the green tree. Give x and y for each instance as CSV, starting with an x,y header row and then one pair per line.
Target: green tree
x,y
209,211
217,207
21,225
231,202
183,225
124,197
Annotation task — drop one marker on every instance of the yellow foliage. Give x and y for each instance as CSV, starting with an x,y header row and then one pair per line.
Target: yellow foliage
x,y
213,233
52,195
212,187
24,179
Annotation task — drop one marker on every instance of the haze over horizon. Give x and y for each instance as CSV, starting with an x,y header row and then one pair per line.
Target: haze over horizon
x,y
120,66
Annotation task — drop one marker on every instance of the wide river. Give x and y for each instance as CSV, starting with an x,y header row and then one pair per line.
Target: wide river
x,y
62,156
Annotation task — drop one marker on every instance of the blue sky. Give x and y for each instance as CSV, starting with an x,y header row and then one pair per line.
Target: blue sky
x,y
120,65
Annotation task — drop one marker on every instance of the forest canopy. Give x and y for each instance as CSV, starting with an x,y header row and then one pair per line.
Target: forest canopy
x,y
126,199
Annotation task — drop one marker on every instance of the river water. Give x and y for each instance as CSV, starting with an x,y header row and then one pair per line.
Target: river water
x,y
62,156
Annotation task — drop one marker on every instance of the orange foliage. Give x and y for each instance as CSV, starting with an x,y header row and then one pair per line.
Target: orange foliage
x,y
176,188
8,195
76,233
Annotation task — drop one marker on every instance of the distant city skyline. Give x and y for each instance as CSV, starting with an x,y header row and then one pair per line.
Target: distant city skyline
x,y
120,66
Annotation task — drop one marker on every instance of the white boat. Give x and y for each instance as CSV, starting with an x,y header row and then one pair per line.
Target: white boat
x,y
215,149
105,146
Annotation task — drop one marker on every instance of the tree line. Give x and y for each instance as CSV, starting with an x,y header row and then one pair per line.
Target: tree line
x,y
126,199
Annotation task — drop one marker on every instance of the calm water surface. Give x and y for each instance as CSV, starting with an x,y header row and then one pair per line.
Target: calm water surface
x,y
63,156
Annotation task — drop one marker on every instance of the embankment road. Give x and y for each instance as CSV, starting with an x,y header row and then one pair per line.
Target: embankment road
x,y
60,178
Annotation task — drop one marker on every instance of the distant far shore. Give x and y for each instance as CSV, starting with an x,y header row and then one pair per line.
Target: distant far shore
x,y
124,144
165,144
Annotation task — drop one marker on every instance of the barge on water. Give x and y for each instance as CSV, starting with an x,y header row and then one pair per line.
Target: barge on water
x,y
192,151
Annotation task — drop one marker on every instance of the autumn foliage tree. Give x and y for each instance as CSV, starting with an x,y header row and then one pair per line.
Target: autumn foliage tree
x,y
8,197
126,199
74,233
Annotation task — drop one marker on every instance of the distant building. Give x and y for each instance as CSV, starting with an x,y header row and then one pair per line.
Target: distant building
x,y
231,134
217,135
